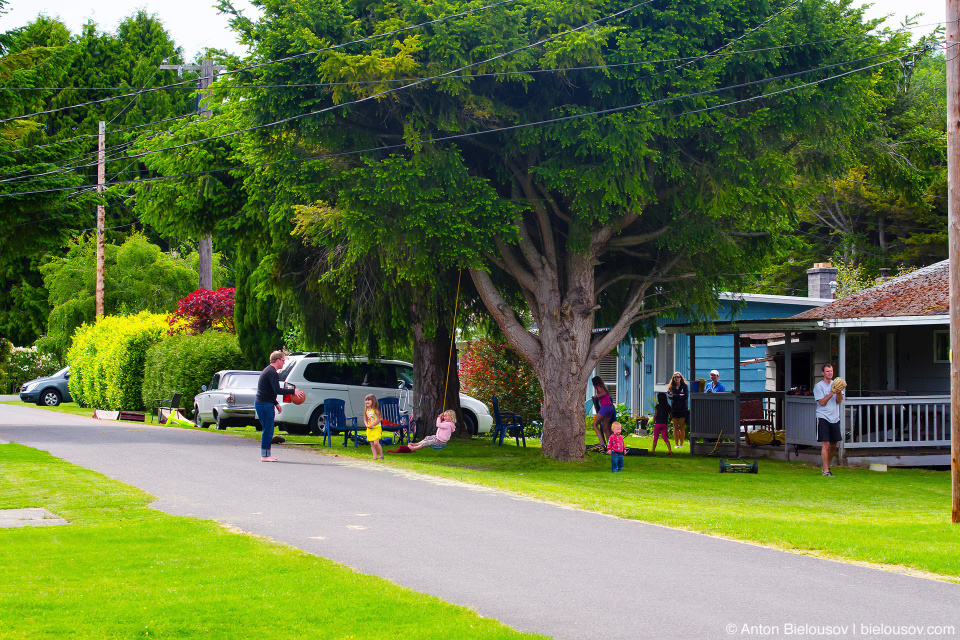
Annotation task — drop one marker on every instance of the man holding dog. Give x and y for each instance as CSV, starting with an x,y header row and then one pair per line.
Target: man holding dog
x,y
268,388
829,394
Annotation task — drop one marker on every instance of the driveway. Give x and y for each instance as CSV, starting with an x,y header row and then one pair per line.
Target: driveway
x,y
533,565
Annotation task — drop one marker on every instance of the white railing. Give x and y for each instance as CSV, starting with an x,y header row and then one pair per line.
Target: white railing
x,y
873,422
898,421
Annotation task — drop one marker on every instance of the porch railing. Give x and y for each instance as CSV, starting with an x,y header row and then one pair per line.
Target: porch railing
x,y
900,421
875,422
715,415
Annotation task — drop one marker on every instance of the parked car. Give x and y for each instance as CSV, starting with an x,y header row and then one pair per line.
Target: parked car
x,y
228,400
49,391
323,376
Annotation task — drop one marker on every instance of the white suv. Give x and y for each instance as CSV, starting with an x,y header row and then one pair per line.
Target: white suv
x,y
323,376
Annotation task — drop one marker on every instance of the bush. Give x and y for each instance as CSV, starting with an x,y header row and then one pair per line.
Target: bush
x,y
26,363
107,360
489,368
181,363
203,310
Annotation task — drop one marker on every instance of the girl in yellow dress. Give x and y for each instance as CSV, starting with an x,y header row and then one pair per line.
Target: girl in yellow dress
x,y
371,420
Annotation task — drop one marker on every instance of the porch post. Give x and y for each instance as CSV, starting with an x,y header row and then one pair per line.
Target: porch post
x,y
788,362
787,385
842,347
736,362
693,358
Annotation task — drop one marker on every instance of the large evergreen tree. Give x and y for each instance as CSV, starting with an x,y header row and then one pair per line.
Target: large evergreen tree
x,y
635,191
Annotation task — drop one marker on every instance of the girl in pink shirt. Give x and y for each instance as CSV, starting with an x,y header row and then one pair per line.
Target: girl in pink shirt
x,y
446,425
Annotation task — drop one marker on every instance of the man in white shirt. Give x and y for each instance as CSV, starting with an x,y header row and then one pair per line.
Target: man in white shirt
x,y
828,417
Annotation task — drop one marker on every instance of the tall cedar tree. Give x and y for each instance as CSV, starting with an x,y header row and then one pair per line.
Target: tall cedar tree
x,y
661,177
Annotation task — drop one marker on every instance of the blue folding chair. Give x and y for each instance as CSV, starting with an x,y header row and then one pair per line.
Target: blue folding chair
x,y
507,423
335,421
394,421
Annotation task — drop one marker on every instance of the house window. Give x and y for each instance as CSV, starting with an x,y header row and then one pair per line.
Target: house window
x,y
665,358
607,370
941,346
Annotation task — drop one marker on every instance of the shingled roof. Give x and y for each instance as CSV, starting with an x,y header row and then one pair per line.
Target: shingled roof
x,y
925,292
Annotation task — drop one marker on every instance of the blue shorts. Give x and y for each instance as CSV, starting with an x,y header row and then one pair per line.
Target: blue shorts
x,y
608,411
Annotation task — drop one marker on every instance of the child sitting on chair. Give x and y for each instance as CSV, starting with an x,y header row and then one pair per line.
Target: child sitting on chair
x,y
446,425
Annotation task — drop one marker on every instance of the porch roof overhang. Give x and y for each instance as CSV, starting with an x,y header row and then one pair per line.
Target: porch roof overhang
x,y
797,325
773,325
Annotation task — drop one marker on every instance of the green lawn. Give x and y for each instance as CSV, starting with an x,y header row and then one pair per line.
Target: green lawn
x,y
901,517
122,570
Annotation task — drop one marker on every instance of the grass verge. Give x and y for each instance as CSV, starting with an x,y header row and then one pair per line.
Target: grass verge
x,y
123,570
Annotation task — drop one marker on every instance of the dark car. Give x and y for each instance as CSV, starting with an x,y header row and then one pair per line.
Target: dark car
x,y
49,391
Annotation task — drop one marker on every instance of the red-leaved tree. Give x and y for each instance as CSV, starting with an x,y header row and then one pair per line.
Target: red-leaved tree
x,y
204,309
491,368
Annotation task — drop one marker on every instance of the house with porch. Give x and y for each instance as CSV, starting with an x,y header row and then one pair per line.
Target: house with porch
x,y
641,367
889,342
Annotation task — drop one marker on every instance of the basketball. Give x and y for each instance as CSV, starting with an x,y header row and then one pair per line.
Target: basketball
x,y
298,397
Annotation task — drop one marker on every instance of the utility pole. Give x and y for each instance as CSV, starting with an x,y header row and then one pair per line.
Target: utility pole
x,y
205,244
101,242
953,224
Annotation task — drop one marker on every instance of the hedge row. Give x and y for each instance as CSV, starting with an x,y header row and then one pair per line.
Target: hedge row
x,y
181,363
107,360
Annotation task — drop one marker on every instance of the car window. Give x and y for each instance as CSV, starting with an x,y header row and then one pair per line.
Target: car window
x,y
405,376
378,375
331,373
63,373
240,381
287,367
214,381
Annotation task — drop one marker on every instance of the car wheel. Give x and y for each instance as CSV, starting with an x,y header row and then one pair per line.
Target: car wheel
x,y
470,422
314,427
221,423
197,420
49,398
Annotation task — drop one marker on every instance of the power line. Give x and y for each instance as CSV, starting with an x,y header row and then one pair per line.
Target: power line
x,y
493,74
262,64
541,122
94,135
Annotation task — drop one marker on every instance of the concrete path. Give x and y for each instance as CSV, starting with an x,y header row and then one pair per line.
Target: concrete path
x,y
532,565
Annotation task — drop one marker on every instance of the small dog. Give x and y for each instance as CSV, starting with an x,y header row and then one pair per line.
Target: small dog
x,y
278,440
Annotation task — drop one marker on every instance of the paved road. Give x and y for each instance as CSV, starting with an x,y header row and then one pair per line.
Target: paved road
x,y
535,566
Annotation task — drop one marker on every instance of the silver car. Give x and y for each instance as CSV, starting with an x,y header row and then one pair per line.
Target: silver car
x,y
228,400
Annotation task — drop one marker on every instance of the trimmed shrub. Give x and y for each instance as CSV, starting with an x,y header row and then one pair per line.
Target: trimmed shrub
x,y
181,363
107,360
490,368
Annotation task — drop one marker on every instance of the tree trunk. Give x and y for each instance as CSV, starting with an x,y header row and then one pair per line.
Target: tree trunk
x,y
434,370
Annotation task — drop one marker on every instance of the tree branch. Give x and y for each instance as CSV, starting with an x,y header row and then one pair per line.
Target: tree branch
x,y
527,344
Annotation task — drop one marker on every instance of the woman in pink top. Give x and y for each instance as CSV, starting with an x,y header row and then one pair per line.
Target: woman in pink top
x,y
606,412
446,425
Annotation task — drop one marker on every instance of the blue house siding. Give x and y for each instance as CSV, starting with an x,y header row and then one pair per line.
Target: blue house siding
x,y
712,352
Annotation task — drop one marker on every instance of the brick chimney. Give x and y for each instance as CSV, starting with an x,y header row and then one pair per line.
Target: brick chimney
x,y
822,280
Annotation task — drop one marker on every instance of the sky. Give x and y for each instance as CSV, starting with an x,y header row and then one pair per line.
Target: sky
x,y
195,25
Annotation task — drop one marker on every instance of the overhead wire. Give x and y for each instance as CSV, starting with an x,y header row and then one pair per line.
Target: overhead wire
x,y
548,121
265,63
93,135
